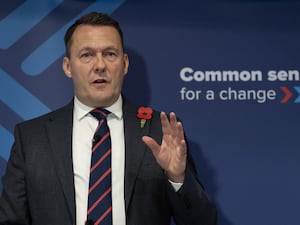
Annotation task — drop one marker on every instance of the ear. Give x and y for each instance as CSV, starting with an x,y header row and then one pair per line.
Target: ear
x,y
126,64
66,67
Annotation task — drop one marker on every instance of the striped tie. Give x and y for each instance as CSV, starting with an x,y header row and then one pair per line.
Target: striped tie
x,y
99,199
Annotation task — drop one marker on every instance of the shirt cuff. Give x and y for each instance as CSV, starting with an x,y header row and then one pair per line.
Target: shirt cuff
x,y
176,186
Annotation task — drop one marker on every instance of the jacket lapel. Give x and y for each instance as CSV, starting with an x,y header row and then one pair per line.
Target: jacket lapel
x,y
59,129
134,148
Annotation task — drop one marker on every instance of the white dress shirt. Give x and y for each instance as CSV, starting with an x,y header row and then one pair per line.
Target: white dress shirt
x,y
84,126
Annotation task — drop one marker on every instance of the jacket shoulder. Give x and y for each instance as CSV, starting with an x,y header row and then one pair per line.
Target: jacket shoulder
x,y
65,111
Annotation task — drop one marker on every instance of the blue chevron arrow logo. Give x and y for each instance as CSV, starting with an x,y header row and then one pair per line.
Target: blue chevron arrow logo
x,y
297,88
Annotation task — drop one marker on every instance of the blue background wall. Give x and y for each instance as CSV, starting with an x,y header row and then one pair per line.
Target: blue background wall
x,y
246,149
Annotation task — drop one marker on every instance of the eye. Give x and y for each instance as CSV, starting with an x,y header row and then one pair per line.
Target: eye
x,y
86,56
110,55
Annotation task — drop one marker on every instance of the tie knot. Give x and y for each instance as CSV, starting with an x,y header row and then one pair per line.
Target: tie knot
x,y
100,113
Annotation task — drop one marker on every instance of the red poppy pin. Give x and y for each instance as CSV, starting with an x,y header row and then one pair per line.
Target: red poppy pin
x,y
144,113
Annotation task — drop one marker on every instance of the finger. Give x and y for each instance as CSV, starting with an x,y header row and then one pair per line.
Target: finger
x,y
166,127
176,126
183,148
173,119
180,131
152,144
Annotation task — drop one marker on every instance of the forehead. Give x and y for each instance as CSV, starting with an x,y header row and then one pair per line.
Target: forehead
x,y
96,36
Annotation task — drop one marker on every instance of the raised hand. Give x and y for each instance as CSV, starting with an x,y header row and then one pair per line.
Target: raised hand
x,y
172,152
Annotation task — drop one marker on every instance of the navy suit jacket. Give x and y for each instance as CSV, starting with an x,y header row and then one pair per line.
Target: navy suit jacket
x,y
38,186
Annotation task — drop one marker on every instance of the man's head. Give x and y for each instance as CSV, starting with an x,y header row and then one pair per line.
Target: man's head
x,y
93,18
95,59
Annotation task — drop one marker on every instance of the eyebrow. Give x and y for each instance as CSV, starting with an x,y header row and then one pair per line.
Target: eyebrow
x,y
85,49
96,49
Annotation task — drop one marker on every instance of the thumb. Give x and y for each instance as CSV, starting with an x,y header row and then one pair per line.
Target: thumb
x,y
152,144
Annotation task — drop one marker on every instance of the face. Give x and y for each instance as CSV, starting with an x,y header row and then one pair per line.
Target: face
x,y
97,65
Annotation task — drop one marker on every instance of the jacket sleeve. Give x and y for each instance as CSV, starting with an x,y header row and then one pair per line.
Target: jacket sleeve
x,y
13,202
191,204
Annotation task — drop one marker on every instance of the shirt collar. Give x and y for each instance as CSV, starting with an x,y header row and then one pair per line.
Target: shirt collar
x,y
81,110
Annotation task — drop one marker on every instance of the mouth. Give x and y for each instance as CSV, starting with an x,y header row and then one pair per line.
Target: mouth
x,y
100,81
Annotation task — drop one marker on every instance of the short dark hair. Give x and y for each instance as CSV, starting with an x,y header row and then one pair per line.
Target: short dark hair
x,y
93,18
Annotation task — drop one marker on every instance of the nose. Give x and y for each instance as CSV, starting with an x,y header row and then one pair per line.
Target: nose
x,y
99,63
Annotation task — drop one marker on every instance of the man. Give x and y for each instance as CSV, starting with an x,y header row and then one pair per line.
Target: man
x,y
153,177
